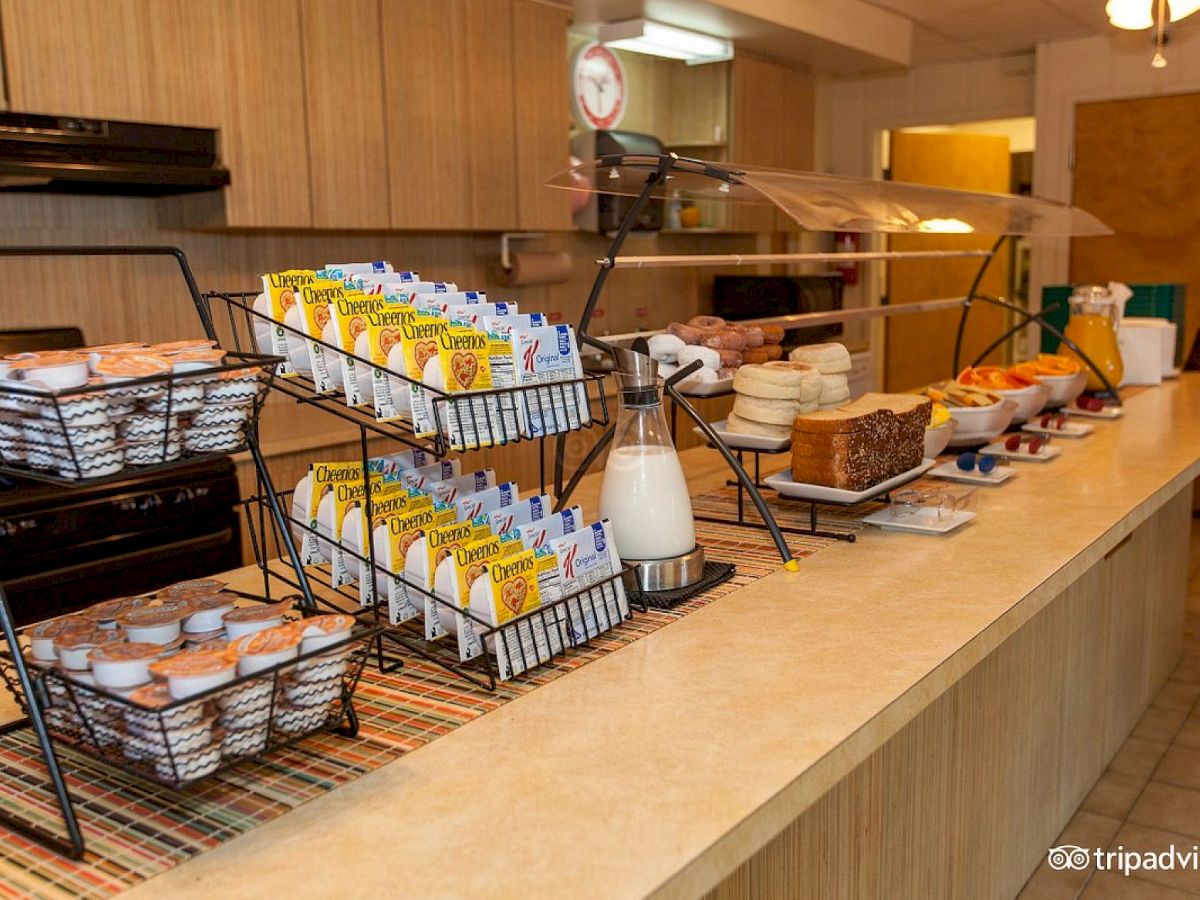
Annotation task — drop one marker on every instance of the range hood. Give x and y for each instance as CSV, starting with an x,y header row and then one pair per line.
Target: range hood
x,y
72,155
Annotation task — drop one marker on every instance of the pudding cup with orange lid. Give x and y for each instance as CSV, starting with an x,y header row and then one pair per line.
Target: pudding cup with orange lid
x,y
148,713
193,586
207,612
254,618
123,666
41,636
197,360
55,371
321,631
105,613
74,646
173,348
189,674
122,367
160,624
266,648
96,352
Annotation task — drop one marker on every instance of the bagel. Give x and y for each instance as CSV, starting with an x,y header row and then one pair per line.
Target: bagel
x,y
830,359
762,409
738,425
772,334
792,383
711,358
834,389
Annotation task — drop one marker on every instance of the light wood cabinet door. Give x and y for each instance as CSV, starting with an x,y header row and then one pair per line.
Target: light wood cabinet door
x,y
490,129
224,64
756,89
796,123
542,120
343,92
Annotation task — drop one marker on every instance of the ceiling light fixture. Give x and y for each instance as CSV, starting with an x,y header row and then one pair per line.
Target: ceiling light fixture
x,y
1137,15
657,39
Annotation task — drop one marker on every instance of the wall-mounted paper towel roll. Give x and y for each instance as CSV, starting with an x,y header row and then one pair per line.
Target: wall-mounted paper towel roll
x,y
536,267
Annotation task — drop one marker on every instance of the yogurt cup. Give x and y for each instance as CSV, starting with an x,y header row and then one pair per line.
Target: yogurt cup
x,y
245,741
121,367
78,409
254,618
208,611
154,624
246,696
57,371
152,452
266,648
123,666
105,612
196,360
74,647
322,631
43,635
95,352
151,699
189,674
174,348
192,587
191,766
312,693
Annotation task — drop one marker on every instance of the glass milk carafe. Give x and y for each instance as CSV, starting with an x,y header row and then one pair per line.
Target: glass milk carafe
x,y
644,491
1093,323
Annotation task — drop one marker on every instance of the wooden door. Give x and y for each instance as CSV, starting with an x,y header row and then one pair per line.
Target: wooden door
x,y
1135,168
920,348
757,100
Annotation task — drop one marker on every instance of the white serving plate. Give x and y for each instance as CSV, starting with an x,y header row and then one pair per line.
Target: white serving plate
x,y
735,440
1070,429
705,388
951,472
798,490
923,521
1109,412
1047,453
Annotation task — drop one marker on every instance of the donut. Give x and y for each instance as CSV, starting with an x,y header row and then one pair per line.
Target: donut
x,y
830,359
706,322
725,339
772,334
755,355
666,347
774,351
729,359
754,337
711,358
686,333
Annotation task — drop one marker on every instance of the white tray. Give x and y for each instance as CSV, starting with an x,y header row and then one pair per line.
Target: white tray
x,y
1109,412
1070,429
1047,453
706,388
951,472
735,440
923,521
798,490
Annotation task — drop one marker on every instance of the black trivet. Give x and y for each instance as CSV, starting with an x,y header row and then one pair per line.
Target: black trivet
x,y
714,573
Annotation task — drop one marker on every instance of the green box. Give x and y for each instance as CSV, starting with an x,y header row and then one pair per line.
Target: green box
x,y
1159,301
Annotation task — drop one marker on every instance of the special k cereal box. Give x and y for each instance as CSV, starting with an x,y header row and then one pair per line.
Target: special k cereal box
x,y
424,477
540,532
438,302
508,516
450,489
472,506
469,315
587,560
282,292
543,356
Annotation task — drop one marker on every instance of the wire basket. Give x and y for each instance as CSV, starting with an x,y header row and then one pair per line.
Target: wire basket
x,y
461,421
101,432
177,742
536,638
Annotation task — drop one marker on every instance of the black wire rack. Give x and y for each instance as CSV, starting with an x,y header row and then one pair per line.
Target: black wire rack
x,y
461,421
557,627
100,432
183,741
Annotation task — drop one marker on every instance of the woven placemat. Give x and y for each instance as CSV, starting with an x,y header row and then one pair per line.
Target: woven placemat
x,y
135,830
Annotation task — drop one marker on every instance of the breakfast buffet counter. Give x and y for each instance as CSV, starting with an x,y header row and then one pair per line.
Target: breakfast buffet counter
x,y
881,717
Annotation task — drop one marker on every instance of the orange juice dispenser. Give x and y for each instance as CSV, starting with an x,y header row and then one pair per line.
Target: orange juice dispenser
x,y
1095,318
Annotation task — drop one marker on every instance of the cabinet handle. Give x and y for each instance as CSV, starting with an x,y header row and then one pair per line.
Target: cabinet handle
x,y
1121,543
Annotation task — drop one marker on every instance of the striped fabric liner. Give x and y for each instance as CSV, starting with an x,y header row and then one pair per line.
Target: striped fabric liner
x,y
135,830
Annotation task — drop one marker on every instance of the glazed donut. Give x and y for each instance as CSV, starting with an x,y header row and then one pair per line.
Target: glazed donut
x,y
707,322
772,334
754,336
730,359
773,351
755,355
689,334
724,339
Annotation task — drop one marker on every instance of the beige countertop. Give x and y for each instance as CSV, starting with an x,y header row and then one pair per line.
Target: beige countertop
x,y
660,767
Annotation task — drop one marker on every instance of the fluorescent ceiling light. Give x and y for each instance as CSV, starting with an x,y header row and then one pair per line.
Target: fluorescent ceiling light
x,y
657,39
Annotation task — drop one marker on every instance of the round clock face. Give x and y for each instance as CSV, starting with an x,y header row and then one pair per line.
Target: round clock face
x,y
598,87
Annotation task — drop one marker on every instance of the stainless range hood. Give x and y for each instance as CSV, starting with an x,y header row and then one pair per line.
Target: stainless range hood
x,y
72,155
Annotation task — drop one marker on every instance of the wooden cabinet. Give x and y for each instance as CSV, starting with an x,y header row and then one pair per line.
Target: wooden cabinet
x,y
343,93
217,63
542,119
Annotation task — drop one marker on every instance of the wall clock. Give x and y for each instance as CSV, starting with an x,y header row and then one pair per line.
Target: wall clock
x,y
598,87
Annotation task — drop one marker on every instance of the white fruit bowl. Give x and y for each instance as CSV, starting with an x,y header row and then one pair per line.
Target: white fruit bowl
x,y
980,424
937,439
1029,400
1063,388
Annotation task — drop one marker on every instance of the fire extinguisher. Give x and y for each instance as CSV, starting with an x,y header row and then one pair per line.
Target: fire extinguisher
x,y
846,242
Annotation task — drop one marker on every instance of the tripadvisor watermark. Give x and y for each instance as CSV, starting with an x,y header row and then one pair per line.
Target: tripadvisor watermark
x,y
1068,856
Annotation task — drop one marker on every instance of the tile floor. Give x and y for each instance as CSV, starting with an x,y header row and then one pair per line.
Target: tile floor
x,y
1149,798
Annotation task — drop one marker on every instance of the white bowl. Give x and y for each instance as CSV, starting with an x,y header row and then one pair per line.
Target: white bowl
x,y
937,439
1064,388
1029,400
980,424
